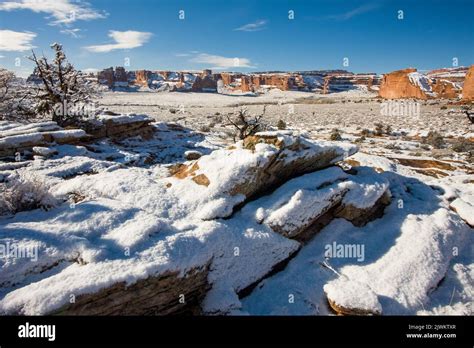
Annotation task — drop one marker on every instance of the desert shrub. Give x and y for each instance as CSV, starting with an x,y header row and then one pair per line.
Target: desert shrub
x,y
360,139
172,110
462,145
25,191
281,125
335,135
205,129
365,132
391,146
434,139
379,129
443,107
470,157
245,124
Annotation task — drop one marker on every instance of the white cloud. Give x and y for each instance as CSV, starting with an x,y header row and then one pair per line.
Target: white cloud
x,y
123,40
2,56
255,26
182,54
220,62
75,32
16,40
355,12
62,11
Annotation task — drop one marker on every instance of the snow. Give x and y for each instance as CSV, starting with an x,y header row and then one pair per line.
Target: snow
x,y
421,81
313,82
366,190
123,119
19,129
17,140
464,209
407,253
303,206
67,133
128,206
266,206
44,151
352,294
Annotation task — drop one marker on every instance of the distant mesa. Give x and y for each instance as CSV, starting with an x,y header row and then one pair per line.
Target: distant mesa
x,y
322,81
447,83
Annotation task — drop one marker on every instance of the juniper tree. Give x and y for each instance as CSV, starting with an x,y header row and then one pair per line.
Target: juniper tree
x,y
63,92
14,102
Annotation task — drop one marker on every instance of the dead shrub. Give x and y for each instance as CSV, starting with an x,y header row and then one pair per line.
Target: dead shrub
x,y
25,191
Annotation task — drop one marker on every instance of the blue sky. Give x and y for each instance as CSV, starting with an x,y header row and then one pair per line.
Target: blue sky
x,y
149,34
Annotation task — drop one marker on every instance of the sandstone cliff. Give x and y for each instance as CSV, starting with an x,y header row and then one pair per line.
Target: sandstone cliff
x,y
398,85
468,89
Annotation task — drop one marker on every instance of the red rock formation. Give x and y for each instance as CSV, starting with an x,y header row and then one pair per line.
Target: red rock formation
x,y
141,77
456,75
164,73
206,72
246,84
120,74
468,89
445,89
227,78
106,77
207,82
338,82
397,85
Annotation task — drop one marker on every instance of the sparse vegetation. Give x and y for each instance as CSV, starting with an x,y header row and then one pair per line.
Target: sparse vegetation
x,y
381,129
313,100
25,191
281,124
335,135
245,124
365,133
462,145
205,129
434,139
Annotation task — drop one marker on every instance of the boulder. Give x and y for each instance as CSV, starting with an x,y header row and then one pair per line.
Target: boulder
x,y
123,126
169,293
256,166
361,216
192,155
308,203
12,144
351,297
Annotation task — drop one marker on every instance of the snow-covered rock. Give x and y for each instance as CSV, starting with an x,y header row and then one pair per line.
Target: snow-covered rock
x,y
351,297
464,209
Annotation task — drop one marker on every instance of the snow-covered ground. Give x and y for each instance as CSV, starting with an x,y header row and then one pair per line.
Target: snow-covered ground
x,y
113,197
